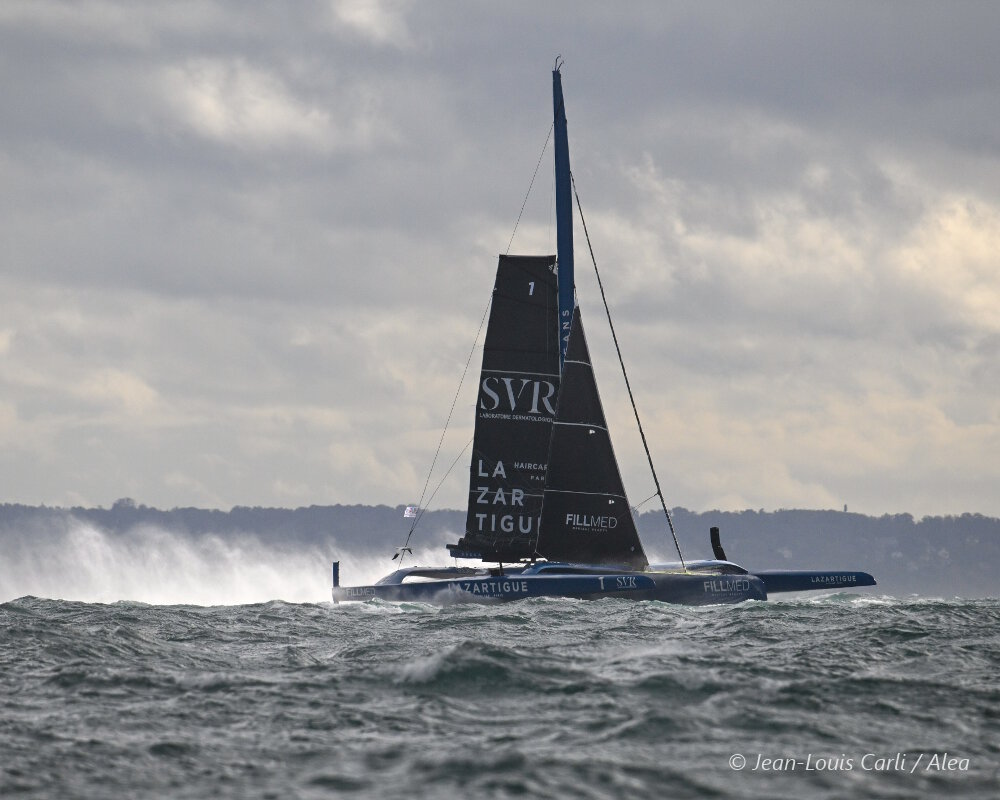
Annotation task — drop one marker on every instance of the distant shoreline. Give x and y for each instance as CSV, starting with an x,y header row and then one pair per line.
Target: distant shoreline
x,y
933,556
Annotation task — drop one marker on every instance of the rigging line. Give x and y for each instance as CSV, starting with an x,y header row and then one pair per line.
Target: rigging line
x,y
628,385
645,501
447,422
420,512
445,476
526,194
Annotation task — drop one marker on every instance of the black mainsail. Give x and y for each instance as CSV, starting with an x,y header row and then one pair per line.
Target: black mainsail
x,y
586,516
518,393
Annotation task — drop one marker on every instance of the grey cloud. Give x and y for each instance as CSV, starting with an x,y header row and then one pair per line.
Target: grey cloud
x,y
246,249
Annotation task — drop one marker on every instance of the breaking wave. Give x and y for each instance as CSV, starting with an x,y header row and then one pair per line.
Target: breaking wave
x,y
77,560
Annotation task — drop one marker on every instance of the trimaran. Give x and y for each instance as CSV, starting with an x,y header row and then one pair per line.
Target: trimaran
x,y
547,512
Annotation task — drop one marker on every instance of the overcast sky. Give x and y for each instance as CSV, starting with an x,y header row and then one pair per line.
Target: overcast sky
x,y
246,246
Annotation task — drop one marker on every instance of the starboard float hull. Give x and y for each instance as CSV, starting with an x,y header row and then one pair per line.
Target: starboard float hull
x,y
787,580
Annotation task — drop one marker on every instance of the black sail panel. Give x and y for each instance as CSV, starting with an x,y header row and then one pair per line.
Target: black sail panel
x,y
586,517
518,392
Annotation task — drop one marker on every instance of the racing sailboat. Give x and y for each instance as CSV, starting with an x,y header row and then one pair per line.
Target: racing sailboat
x,y
547,511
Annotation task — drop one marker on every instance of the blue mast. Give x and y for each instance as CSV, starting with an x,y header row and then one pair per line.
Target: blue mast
x,y
564,215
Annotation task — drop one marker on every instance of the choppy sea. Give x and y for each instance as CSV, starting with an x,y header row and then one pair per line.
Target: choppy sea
x,y
827,697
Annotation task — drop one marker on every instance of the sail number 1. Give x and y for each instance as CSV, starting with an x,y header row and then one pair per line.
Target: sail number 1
x,y
531,288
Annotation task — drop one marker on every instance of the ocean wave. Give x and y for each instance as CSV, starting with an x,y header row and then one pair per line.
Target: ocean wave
x,y
540,698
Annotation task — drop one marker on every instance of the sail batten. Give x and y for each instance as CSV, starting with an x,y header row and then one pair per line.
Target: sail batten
x,y
536,374
596,494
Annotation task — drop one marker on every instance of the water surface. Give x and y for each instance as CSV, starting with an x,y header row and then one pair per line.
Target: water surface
x,y
826,697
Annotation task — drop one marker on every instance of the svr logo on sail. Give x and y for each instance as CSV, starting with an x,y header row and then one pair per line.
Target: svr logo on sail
x,y
517,395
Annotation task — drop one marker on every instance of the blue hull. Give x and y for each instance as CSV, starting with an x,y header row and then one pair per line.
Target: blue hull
x,y
787,580
705,583
580,583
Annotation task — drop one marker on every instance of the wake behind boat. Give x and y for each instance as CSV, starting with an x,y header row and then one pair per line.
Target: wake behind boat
x,y
546,503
